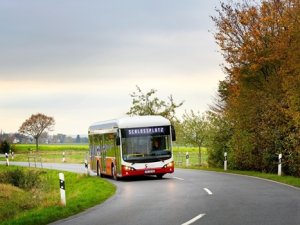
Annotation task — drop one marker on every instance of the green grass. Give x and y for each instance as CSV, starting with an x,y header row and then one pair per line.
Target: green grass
x,y
42,205
179,154
52,156
50,153
21,148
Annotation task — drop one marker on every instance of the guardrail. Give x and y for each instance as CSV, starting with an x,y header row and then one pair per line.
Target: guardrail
x,y
34,158
189,159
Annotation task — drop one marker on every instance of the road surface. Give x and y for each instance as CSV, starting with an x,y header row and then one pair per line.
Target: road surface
x,y
192,197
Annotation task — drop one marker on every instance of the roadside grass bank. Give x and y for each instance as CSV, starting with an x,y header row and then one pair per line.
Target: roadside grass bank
x,y
32,196
289,180
181,162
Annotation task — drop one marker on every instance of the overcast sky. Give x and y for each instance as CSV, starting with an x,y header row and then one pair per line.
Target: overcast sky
x,y
78,61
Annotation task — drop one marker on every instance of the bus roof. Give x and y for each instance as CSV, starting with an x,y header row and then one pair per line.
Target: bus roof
x,y
131,122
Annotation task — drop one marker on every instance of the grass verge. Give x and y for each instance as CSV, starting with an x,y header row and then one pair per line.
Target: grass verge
x,y
41,204
289,180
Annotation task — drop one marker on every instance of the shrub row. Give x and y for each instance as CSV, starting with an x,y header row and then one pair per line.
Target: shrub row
x,y
27,180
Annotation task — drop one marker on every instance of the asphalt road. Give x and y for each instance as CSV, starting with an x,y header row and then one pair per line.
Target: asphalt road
x,y
193,197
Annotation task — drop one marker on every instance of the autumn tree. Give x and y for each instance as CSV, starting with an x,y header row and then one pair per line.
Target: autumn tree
x,y
149,104
259,42
36,125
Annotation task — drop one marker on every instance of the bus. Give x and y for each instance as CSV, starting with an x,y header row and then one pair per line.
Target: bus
x,y
132,146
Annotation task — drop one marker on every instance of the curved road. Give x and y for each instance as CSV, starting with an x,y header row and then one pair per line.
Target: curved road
x,y
193,197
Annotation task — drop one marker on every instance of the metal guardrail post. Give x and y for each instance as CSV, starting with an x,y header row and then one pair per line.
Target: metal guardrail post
x,y
35,158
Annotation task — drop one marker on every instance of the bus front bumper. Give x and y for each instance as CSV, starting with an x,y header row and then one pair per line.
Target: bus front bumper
x,y
130,171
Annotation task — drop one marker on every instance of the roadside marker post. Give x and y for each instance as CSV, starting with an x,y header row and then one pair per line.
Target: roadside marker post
x,y
7,160
225,161
62,189
279,164
63,159
86,167
187,159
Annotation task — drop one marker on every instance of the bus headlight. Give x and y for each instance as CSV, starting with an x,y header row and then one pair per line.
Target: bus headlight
x,y
168,165
128,168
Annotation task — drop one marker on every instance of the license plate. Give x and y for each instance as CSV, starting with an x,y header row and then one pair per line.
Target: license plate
x,y
149,171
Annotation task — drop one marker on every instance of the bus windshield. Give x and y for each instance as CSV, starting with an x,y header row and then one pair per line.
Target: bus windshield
x,y
146,148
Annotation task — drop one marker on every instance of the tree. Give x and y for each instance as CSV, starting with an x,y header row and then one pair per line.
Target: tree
x,y
149,104
195,130
36,125
78,140
259,41
219,136
4,146
60,138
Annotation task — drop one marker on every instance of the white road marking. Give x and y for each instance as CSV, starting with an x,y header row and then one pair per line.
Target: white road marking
x,y
208,191
194,219
178,178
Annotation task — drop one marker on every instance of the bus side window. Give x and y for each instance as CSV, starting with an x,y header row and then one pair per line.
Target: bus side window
x,y
118,141
173,133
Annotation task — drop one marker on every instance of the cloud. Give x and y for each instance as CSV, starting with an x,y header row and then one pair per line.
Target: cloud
x,y
79,61
60,36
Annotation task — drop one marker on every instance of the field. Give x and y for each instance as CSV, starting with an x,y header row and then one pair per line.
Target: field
x,y
50,153
77,153
180,156
25,148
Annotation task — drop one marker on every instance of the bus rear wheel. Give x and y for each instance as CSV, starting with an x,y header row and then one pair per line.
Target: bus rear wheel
x,y
98,169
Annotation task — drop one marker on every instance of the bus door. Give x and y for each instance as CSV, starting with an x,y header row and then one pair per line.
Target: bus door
x,y
118,159
103,160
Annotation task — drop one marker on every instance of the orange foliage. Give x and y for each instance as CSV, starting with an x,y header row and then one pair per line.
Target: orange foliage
x,y
260,44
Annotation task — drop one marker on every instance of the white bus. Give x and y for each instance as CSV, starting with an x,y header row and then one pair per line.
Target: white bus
x,y
132,146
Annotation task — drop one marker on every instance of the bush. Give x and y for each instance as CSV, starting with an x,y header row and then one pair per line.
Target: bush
x,y
4,147
23,179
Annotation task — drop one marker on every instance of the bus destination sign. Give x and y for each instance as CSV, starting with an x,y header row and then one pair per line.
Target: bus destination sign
x,y
146,131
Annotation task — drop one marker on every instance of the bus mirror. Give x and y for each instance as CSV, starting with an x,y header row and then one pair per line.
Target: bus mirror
x,y
118,141
173,133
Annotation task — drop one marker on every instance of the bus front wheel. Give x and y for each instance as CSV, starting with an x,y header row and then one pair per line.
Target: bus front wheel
x,y
160,176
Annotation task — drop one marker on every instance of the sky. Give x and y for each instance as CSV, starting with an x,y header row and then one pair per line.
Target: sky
x,y
78,61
